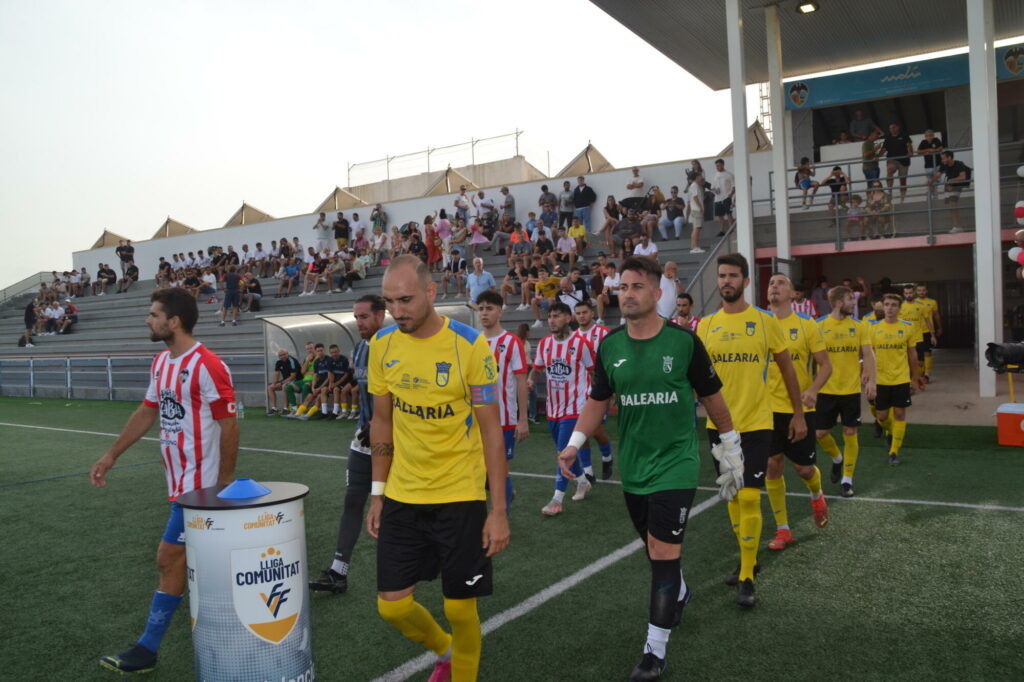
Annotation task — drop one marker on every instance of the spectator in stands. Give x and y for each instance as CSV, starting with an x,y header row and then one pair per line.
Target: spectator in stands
x,y
628,246
578,283
105,277
861,126
252,292
356,269
898,148
362,242
287,278
340,228
164,268
931,147
461,204
74,284
208,287
819,297
245,259
378,217
627,228
565,249
131,275
508,206
609,296
358,226
31,318
202,261
261,261
957,179
479,281
435,256
671,287
546,197
805,181
578,234
125,254
287,371
521,245
802,304
191,283
502,238
546,290
878,208
454,269
85,281
723,184
231,258
646,247
869,153
637,191
477,236
840,186
379,246
54,314
316,274
515,283
695,195
612,215
674,214
417,247
856,223
544,247
175,262
583,199
566,208
232,295
68,318
569,295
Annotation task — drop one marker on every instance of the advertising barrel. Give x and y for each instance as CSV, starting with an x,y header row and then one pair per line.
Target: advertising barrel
x,y
247,580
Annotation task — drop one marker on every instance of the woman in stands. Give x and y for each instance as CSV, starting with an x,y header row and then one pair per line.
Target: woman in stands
x,y
433,243
878,208
612,216
478,237
379,246
628,247
444,233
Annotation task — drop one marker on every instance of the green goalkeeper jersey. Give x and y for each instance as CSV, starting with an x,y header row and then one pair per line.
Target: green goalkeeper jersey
x,y
654,381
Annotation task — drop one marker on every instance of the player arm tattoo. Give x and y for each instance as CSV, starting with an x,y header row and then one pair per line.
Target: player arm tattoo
x,y
382,449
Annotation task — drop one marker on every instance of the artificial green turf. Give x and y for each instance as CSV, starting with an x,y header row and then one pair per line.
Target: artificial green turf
x,y
885,590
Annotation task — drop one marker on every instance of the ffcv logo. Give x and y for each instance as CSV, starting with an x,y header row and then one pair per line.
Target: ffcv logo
x,y
267,589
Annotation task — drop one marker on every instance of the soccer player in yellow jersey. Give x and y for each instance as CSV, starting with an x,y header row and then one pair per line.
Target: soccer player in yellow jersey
x,y
435,435
742,341
920,315
932,338
803,340
847,343
894,341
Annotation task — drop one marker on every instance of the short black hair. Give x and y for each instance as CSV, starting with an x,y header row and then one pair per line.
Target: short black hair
x,y
333,346
559,307
686,296
376,302
643,266
736,260
586,303
317,345
492,297
178,303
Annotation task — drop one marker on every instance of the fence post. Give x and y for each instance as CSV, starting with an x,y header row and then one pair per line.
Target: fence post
x,y
67,376
931,224
31,377
110,380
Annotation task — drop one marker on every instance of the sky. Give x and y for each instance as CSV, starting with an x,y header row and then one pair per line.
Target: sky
x,y
119,113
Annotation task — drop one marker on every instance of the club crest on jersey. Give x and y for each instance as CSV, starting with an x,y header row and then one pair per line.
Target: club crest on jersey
x,y
443,369
751,328
899,332
666,363
183,376
853,331
267,588
793,334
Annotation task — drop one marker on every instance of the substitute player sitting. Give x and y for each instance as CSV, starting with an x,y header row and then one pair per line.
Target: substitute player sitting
x,y
190,391
895,345
433,442
654,367
803,340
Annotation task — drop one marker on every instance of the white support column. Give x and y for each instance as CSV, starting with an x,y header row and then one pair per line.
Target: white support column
x,y
988,286
780,140
740,159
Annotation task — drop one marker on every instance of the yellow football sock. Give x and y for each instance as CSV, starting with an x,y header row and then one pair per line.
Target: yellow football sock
x,y
927,364
750,530
899,432
344,407
466,636
302,409
415,622
828,444
851,448
887,422
734,516
874,410
776,488
814,483
313,410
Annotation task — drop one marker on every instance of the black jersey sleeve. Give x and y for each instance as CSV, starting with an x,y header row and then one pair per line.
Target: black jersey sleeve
x,y
702,373
600,386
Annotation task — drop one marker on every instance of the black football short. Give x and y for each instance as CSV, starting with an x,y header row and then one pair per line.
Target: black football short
x,y
419,541
663,514
756,449
924,346
801,452
831,408
892,396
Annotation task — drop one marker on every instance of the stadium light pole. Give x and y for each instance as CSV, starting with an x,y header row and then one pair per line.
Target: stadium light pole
x,y
987,264
740,158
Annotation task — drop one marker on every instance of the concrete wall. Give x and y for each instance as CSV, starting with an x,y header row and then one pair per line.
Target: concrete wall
x,y
664,175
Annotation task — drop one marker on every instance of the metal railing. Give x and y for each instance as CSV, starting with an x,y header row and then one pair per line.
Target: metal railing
x,y
703,285
29,284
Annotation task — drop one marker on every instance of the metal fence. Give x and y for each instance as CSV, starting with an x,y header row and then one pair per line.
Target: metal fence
x,y
108,378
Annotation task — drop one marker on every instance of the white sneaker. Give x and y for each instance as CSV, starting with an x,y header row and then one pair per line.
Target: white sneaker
x,y
30,345
353,415
343,414
697,250
600,321
956,230
537,324
444,296
339,416
583,486
522,306
552,508
303,417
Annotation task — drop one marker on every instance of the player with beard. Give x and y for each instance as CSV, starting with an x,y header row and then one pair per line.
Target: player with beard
x,y
653,367
369,314
190,391
594,333
742,341
803,341
684,312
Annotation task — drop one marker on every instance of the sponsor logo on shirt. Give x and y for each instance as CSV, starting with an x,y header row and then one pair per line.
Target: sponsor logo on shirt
x,y
170,409
424,411
559,371
655,398
735,357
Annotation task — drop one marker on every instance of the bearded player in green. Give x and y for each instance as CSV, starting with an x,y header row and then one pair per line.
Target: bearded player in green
x,y
654,367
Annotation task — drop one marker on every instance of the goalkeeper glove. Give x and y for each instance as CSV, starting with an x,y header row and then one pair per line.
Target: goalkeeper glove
x,y
729,456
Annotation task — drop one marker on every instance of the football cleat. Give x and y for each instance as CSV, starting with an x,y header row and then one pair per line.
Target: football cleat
x,y
894,460
329,581
745,594
136,660
607,465
442,672
782,538
553,508
820,507
591,478
837,471
847,490
583,486
878,430
650,667
733,579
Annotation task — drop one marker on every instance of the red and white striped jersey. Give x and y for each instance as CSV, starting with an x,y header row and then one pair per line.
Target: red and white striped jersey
x,y
192,392
594,335
692,324
806,307
566,364
510,353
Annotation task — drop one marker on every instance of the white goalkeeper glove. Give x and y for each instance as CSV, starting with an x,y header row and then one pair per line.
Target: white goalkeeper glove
x,y
729,456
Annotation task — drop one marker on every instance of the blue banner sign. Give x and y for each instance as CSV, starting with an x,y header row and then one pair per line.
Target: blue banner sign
x,y
892,81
